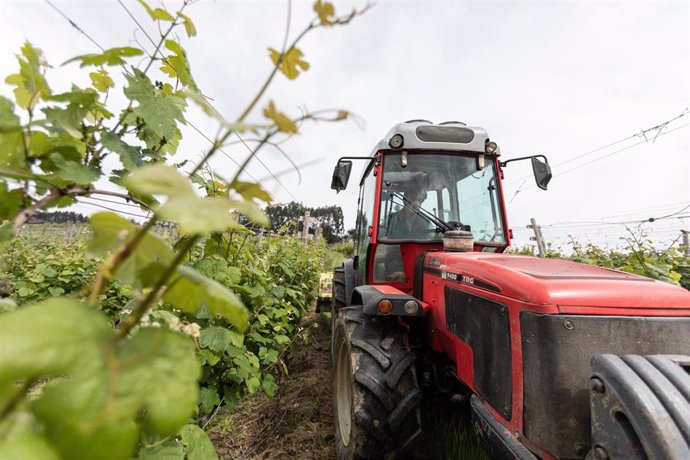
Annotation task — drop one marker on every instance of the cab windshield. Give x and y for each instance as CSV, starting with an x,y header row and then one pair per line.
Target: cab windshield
x,y
437,192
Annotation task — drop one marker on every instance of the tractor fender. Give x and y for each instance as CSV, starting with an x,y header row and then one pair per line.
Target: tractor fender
x,y
350,280
370,296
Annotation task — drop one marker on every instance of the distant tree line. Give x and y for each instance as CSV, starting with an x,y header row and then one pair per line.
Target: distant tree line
x,y
58,217
288,217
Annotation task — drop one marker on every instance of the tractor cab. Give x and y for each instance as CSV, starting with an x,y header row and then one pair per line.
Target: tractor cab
x,y
421,182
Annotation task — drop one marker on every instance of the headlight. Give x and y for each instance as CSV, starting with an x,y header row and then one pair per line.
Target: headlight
x,y
396,141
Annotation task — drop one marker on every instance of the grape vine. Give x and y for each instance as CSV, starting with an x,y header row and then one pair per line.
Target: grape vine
x,y
87,370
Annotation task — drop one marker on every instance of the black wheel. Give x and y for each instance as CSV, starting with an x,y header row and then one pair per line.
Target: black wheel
x,y
640,406
375,394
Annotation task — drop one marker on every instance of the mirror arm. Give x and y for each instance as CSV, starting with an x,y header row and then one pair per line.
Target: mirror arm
x,y
355,158
502,164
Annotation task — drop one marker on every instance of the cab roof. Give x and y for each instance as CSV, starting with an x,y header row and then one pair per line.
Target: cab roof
x,y
448,136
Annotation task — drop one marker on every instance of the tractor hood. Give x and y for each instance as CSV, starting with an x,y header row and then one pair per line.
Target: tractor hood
x,y
556,282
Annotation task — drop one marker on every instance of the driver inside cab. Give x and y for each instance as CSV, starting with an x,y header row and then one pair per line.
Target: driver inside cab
x,y
406,223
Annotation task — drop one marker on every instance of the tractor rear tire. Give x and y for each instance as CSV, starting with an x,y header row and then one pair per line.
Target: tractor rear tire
x,y
640,406
375,393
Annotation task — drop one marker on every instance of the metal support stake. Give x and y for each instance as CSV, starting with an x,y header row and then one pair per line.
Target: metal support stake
x,y
305,227
538,237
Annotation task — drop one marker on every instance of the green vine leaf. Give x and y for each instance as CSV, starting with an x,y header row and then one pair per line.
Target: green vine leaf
x,y
28,446
177,66
282,121
10,201
80,104
31,85
147,383
101,80
158,108
130,156
158,179
209,215
251,191
189,26
52,338
166,450
110,232
73,172
110,57
8,120
199,446
325,11
215,338
12,150
291,62
190,291
250,210
158,14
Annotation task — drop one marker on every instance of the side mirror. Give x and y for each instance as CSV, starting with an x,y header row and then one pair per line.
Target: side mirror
x,y
542,172
341,175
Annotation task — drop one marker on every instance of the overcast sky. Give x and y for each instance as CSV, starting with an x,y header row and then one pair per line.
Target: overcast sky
x,y
543,77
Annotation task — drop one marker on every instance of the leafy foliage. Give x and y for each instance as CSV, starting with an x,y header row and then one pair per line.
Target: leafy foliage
x,y
274,278
90,371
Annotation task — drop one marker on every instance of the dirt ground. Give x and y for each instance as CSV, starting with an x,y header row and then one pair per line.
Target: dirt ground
x,y
298,421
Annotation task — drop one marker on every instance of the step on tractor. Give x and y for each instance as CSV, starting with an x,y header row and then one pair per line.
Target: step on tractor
x,y
555,359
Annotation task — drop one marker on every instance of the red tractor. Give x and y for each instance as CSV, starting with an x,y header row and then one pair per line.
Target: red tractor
x,y
559,359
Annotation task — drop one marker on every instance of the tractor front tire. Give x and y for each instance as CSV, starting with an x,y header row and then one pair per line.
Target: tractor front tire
x,y
338,300
375,393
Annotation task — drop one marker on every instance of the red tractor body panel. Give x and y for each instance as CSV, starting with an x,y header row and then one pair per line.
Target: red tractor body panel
x,y
563,283
522,284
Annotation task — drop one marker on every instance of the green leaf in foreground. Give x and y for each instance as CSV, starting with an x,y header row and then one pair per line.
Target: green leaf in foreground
x,y
251,191
111,231
198,216
158,179
55,337
191,290
27,447
146,383
10,201
166,450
